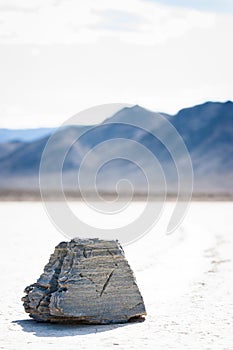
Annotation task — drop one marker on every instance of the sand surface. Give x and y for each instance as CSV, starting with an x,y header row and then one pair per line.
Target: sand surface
x,y
186,280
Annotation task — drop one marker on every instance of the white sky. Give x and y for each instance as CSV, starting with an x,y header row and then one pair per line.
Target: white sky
x,y
58,57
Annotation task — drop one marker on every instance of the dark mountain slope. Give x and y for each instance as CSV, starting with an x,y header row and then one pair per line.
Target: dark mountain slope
x,y
207,130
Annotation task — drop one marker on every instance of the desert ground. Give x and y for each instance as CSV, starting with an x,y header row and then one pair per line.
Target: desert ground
x,y
185,279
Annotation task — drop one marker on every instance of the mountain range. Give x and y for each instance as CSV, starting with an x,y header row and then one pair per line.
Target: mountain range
x,y
206,129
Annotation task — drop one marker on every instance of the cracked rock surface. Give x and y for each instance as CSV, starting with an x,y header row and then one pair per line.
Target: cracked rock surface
x,y
85,281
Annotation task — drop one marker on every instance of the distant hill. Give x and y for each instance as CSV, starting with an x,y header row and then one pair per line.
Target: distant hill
x,y
23,135
206,129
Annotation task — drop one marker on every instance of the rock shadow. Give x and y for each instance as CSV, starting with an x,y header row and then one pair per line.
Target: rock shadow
x,y
42,329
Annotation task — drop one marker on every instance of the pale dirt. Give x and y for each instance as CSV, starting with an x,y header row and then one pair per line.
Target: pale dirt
x,y
186,280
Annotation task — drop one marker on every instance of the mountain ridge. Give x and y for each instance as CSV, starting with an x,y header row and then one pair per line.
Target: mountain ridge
x,y
207,130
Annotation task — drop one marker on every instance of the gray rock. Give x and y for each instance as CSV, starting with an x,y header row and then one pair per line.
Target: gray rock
x,y
86,281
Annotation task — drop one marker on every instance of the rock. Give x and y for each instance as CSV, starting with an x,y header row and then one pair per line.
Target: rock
x,y
86,281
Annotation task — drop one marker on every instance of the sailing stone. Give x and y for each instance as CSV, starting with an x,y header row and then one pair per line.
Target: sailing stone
x,y
86,281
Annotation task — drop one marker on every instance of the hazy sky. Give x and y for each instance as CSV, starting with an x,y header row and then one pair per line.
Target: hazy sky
x,y
58,57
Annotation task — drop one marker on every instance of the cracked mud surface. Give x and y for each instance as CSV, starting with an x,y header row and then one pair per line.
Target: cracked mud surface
x,y
185,279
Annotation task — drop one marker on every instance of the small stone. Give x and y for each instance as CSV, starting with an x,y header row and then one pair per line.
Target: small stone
x,y
86,281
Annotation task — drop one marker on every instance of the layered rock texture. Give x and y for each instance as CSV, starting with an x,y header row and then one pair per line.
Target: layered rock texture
x,y
86,281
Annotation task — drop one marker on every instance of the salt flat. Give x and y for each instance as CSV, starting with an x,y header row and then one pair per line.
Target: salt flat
x,y
185,279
